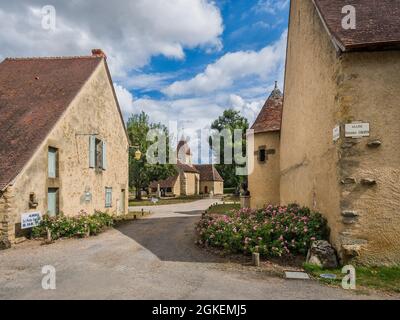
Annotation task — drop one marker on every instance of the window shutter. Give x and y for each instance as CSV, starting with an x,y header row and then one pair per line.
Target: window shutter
x,y
52,163
92,151
104,156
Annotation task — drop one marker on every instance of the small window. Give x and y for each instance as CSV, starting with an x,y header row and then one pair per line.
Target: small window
x,y
262,155
53,202
52,162
169,190
97,153
108,197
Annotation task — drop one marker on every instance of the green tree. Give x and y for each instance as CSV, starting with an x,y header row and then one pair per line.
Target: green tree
x,y
230,120
141,173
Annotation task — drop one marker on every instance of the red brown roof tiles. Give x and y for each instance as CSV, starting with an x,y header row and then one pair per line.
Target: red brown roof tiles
x,y
167,183
34,93
377,23
208,173
270,117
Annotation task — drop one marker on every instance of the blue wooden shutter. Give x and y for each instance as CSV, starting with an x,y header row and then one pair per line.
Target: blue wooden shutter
x,y
92,151
52,163
108,197
104,156
52,202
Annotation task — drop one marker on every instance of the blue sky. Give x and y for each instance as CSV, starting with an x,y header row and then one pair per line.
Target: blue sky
x,y
248,27
177,60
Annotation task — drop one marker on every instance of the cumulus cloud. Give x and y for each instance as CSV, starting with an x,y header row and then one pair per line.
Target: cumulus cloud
x,y
232,68
125,99
130,32
271,6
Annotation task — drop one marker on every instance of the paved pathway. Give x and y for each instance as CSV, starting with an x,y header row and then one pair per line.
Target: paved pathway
x,y
153,258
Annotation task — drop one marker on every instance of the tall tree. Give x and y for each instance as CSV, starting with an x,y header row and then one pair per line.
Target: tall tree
x,y
141,173
230,120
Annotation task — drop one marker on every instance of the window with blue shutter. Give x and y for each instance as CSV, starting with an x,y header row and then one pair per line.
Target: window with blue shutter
x,y
92,152
108,197
104,156
97,154
52,202
52,163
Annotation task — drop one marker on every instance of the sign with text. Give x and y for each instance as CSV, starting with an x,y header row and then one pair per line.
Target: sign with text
x,y
30,219
357,130
336,133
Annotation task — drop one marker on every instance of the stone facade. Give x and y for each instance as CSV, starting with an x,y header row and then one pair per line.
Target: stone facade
x,y
265,179
94,111
191,179
353,182
216,187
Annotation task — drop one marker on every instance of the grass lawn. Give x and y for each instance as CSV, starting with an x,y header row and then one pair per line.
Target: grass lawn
x,y
223,208
131,216
164,201
383,278
231,198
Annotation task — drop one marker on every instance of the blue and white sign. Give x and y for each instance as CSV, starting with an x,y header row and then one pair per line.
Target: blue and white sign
x,y
30,220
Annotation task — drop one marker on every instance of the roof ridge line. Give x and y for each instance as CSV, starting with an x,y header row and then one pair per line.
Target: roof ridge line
x,y
51,58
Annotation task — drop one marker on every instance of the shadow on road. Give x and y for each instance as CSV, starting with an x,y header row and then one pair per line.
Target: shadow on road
x,y
191,213
170,239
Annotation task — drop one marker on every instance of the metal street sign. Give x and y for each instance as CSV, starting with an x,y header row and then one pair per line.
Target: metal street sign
x,y
357,130
30,220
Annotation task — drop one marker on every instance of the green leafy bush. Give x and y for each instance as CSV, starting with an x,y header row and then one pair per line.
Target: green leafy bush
x,y
68,227
274,231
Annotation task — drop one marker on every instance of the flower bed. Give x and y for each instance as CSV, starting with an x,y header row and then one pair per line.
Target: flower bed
x,y
273,231
68,227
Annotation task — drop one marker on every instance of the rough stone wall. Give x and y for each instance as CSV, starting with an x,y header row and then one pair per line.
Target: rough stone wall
x,y
192,183
355,183
7,234
177,188
216,187
182,183
264,181
309,158
93,111
369,91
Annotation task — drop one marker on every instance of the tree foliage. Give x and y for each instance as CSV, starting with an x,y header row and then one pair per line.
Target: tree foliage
x,y
230,120
141,173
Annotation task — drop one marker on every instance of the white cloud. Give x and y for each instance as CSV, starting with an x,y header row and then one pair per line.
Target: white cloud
x,y
232,68
130,32
125,99
271,6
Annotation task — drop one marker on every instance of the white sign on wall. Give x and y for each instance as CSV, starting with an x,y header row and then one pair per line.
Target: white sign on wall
x,y
30,219
336,133
357,130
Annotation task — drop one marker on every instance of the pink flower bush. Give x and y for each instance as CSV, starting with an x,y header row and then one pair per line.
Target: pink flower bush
x,y
273,231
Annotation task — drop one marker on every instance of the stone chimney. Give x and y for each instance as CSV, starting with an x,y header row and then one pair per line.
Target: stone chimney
x,y
98,53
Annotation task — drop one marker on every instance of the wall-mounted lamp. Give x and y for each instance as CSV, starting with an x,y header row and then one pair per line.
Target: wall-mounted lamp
x,y
138,153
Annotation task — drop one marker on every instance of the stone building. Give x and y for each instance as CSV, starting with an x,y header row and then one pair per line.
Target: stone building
x,y
264,181
211,181
191,179
63,143
340,133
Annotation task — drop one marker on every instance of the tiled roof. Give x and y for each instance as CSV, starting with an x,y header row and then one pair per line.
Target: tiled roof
x,y
270,116
208,173
377,23
187,168
167,183
183,147
34,93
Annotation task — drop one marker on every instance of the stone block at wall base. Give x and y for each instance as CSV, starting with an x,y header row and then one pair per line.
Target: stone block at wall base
x,y
245,201
5,244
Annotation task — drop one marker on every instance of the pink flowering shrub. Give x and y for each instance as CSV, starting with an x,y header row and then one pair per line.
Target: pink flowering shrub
x,y
274,231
